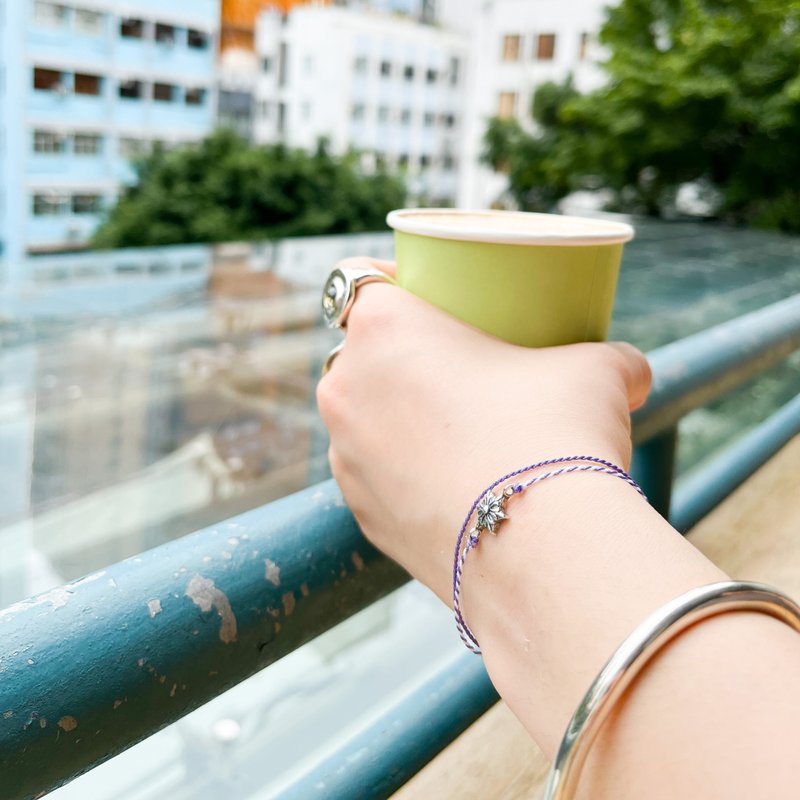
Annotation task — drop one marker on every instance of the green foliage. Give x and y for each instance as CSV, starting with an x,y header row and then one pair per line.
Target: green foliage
x,y
697,90
224,189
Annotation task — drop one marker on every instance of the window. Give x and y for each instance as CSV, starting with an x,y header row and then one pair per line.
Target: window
x,y
454,70
383,114
359,111
512,46
507,104
131,89
431,76
402,160
361,65
90,22
408,73
424,161
130,28
87,203
197,40
449,120
163,92
131,148
165,34
266,65
87,84
386,69
52,14
448,162
583,47
48,142
46,79
87,144
47,205
405,116
545,46
429,120
265,109
195,97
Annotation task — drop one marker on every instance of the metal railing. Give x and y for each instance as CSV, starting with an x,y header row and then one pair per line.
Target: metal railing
x,y
92,667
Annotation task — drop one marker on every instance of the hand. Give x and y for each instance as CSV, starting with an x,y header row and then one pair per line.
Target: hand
x,y
425,411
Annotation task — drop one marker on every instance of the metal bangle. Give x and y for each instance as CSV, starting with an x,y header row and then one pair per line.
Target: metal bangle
x,y
634,653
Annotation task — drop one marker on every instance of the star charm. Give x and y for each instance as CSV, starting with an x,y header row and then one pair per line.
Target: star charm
x,y
491,512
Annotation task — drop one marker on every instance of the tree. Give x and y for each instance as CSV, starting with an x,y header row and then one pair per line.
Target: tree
x,y
704,91
224,189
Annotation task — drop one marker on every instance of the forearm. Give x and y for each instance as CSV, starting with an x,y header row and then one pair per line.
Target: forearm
x,y
581,562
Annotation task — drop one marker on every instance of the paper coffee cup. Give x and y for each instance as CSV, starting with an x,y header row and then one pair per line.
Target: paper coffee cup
x,y
531,279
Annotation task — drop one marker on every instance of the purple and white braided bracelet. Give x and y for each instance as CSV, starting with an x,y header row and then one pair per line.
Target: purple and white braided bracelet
x,y
491,512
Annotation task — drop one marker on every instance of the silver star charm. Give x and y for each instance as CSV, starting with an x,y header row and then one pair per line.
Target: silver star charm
x,y
491,511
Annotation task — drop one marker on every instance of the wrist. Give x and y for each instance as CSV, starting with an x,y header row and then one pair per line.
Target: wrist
x,y
580,561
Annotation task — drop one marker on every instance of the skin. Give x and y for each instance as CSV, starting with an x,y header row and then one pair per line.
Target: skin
x,y
424,412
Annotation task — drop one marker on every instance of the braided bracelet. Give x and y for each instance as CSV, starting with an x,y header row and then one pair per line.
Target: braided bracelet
x,y
490,510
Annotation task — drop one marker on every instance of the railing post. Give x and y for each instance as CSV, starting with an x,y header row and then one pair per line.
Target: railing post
x,y
653,468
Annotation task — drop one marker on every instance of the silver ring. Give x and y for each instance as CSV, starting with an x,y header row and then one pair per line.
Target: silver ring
x,y
339,293
331,356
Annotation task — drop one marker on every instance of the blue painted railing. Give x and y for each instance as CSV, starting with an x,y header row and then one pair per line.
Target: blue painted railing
x,y
91,668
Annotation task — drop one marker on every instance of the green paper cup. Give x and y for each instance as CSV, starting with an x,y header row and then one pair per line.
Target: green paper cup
x,y
531,279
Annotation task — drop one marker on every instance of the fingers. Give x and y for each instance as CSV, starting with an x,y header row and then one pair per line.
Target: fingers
x,y
364,262
635,371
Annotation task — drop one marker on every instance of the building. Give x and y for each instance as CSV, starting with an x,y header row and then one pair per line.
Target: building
x,y
516,45
87,89
382,84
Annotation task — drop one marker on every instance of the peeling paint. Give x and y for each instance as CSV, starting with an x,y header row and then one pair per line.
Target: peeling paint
x,y
173,690
206,596
226,555
277,627
140,662
274,613
68,723
162,679
358,562
317,497
272,572
154,607
304,589
288,603
30,662
112,583
207,559
43,722
117,704
57,597
8,714
233,540
213,673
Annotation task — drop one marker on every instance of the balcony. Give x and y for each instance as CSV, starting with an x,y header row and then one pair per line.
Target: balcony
x,y
126,632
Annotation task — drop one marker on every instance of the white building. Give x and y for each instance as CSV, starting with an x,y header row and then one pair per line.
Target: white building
x,y
516,45
87,86
381,84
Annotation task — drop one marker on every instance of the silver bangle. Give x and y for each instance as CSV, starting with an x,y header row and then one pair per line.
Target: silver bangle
x,y
640,646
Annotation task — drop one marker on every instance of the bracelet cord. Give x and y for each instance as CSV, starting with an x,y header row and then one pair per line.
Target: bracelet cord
x,y
459,559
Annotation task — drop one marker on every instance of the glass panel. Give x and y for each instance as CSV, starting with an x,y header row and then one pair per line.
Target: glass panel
x,y
197,40
90,22
163,92
52,14
87,144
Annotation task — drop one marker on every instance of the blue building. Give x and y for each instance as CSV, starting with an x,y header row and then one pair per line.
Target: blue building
x,y
85,89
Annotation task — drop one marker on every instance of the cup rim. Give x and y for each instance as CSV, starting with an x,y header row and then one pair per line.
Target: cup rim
x,y
606,231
